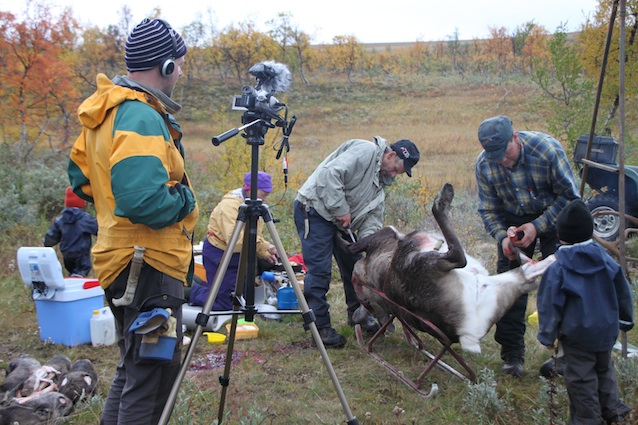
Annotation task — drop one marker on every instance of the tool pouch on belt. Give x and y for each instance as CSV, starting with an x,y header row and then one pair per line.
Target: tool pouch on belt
x,y
159,333
306,222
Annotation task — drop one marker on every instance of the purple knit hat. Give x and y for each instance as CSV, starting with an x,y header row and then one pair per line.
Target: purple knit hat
x,y
264,181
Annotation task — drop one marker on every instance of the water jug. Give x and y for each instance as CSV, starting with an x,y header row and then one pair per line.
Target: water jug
x,y
102,327
286,298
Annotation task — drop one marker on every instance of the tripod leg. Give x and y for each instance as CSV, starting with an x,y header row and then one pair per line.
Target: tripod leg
x,y
307,315
201,321
224,380
309,319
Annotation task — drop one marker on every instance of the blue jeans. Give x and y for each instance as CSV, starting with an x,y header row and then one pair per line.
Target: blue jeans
x,y
317,251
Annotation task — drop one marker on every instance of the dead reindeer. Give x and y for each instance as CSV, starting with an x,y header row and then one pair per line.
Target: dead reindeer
x,y
432,277
45,376
80,382
16,373
45,408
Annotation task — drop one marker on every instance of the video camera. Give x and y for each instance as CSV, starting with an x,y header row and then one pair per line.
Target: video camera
x,y
260,104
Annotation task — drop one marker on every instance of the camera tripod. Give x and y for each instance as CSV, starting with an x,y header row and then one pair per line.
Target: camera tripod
x,y
247,218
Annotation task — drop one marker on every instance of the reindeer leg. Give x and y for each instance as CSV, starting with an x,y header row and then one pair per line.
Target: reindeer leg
x,y
455,256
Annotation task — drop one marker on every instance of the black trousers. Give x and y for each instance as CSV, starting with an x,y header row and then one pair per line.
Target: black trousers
x,y
318,249
510,329
141,387
590,379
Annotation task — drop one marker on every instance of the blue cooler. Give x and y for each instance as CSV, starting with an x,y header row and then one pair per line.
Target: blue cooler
x,y
64,306
65,318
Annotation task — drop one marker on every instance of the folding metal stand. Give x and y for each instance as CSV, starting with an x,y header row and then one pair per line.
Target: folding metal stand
x,y
415,341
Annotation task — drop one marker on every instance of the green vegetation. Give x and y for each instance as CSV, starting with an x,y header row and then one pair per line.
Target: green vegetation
x,y
435,94
279,377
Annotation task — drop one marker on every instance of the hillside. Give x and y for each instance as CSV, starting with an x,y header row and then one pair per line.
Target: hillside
x,y
279,377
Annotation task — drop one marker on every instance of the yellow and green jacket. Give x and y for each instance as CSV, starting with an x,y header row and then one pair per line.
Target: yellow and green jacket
x,y
129,162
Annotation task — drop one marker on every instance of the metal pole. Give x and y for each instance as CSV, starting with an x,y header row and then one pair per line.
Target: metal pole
x,y
599,89
621,149
621,135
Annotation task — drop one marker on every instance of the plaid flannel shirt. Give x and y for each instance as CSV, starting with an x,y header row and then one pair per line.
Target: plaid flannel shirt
x,y
540,183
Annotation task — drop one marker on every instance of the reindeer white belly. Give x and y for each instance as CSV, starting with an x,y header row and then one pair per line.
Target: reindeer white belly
x,y
486,299
451,288
473,303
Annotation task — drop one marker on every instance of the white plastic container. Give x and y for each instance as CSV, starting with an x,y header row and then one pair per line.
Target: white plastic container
x,y
102,327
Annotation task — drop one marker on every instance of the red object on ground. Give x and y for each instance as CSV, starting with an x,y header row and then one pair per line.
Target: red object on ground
x,y
297,258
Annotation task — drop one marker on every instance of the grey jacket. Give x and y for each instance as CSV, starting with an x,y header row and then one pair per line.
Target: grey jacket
x,y
349,180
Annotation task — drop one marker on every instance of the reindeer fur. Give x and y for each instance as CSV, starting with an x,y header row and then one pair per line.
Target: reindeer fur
x,y
446,286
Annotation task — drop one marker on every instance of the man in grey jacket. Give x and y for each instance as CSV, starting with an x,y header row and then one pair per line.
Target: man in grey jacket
x,y
345,194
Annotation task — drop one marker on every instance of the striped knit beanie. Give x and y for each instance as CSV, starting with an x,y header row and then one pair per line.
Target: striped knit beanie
x,y
150,43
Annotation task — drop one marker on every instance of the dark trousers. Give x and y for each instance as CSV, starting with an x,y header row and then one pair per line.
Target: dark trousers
x,y
212,257
510,329
140,388
317,250
79,265
590,379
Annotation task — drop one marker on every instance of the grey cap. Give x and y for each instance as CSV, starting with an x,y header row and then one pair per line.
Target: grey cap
x,y
494,134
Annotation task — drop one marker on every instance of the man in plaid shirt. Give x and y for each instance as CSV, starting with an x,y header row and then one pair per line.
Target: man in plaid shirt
x,y
524,181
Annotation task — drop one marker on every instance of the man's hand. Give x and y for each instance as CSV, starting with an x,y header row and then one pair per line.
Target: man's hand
x,y
529,235
508,250
344,220
272,254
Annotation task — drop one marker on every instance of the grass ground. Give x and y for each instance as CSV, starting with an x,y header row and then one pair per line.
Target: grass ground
x,y
279,378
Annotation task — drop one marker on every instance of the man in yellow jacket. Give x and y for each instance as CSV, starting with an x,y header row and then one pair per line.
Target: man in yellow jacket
x,y
129,162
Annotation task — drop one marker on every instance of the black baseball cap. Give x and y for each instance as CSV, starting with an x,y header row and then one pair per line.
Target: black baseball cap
x,y
408,152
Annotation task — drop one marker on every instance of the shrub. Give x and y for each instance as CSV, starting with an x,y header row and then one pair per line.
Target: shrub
x,y
483,401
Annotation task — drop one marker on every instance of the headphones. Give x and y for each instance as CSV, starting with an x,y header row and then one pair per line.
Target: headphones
x,y
168,66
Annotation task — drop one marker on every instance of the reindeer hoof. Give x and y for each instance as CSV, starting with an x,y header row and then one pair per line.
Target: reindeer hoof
x,y
444,198
360,315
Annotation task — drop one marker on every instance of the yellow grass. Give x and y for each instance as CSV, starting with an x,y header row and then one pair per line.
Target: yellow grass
x,y
280,372
441,118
